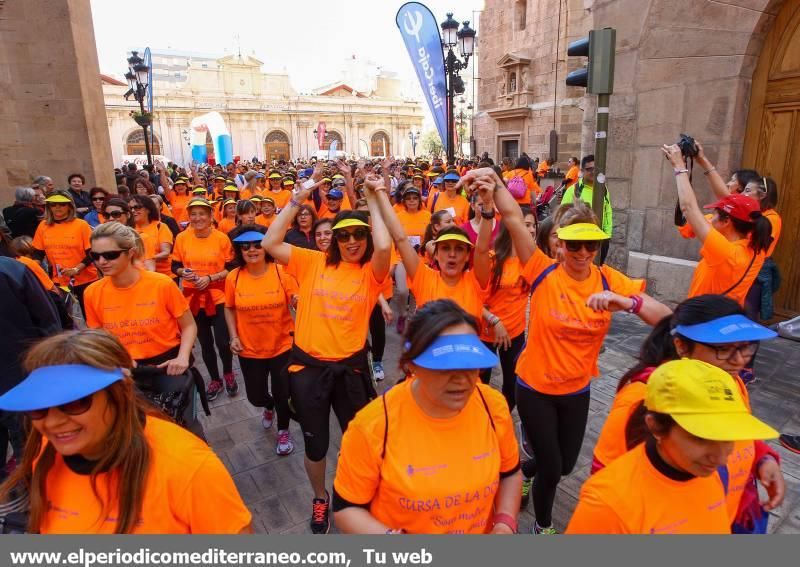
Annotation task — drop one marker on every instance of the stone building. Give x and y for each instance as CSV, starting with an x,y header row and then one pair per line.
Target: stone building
x,y
724,71
267,118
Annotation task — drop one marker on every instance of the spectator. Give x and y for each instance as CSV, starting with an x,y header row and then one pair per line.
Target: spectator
x,y
98,196
584,190
22,217
83,203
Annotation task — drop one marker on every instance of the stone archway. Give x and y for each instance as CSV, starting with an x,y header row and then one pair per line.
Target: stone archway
x,y
772,141
379,144
134,144
276,146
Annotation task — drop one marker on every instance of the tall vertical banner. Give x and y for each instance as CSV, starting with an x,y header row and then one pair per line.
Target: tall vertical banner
x,y
424,44
320,135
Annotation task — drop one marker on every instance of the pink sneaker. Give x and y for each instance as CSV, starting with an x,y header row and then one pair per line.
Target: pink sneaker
x,y
285,445
231,386
267,418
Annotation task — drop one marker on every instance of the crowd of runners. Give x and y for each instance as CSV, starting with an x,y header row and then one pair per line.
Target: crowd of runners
x,y
298,269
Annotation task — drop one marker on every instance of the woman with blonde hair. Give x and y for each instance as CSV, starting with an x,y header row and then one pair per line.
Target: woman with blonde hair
x,y
100,460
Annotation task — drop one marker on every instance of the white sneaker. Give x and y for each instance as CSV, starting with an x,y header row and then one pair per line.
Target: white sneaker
x,y
267,418
377,371
285,444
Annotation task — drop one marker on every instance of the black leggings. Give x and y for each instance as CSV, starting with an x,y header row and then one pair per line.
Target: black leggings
x,y
377,333
205,324
78,291
255,372
555,426
508,364
313,406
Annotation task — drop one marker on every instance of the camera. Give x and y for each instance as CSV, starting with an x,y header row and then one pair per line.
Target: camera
x,y
688,146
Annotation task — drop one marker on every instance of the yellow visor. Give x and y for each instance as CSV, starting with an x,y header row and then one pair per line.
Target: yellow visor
x,y
582,231
229,202
457,237
58,199
198,203
347,223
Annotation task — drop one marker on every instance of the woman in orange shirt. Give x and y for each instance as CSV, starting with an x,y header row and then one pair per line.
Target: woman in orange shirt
x,y
522,169
468,464
246,212
414,220
267,215
117,210
100,460
338,290
735,243
64,239
669,484
451,200
202,257
570,315
144,310
323,234
156,236
228,221
178,197
257,298
712,329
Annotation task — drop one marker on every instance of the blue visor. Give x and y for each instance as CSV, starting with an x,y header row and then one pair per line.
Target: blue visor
x,y
437,181
729,329
249,236
451,177
457,352
52,386
335,194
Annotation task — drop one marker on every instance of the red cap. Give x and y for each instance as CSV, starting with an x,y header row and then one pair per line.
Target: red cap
x,y
738,206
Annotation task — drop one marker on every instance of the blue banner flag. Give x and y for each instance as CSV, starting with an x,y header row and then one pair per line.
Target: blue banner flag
x,y
332,150
424,44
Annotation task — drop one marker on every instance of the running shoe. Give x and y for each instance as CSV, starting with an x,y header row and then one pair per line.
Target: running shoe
x,y
526,492
320,518
377,371
537,530
791,442
401,325
285,445
231,385
213,390
267,418
526,447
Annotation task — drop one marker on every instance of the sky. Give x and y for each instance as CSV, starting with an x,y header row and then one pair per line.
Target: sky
x,y
307,38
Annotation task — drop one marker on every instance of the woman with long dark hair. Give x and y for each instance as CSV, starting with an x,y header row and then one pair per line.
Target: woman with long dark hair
x,y
156,236
302,234
338,290
100,460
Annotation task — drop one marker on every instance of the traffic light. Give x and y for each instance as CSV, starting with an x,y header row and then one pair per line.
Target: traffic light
x,y
598,75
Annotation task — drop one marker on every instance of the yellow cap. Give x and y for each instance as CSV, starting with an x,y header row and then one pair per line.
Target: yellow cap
x,y
704,400
453,236
199,190
58,199
198,203
229,202
582,231
256,198
346,223
338,176
230,188
326,180
274,175
288,181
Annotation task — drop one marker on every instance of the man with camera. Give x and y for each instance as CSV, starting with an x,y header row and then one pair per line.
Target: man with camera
x,y
584,190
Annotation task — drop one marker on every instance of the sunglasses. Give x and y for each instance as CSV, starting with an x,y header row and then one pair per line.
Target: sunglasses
x,y
588,168
98,198
136,207
77,407
576,245
110,255
115,214
249,245
358,235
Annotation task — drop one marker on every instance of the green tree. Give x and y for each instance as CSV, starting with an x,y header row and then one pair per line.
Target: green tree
x,y
431,143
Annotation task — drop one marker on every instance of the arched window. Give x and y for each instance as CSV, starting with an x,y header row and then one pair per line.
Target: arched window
x,y
210,149
134,144
276,146
512,82
330,136
379,145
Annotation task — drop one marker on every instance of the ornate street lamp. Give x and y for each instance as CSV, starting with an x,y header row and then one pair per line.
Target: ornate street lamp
x,y
138,79
413,136
464,38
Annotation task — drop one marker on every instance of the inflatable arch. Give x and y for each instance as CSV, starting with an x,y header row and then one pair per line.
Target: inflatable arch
x,y
220,137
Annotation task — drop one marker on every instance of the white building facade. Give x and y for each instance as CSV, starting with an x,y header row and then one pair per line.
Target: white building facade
x,y
266,117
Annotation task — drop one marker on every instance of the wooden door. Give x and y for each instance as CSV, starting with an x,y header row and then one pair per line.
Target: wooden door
x,y
772,142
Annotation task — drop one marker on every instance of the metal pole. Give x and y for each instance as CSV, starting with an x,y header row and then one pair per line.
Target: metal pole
x,y
600,148
450,102
146,139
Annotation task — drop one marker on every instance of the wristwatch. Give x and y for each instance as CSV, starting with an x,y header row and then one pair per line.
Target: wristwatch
x,y
488,215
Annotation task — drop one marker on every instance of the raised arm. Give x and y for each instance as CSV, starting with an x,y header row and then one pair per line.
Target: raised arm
x,y
509,209
686,197
481,264
382,243
407,253
273,241
718,185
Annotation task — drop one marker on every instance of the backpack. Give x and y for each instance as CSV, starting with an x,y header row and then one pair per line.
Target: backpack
x,y
517,187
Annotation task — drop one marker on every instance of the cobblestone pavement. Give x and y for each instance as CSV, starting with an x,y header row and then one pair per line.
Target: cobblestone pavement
x,y
277,492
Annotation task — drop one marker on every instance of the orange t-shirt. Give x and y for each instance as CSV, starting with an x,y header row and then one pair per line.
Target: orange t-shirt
x,y
722,265
153,236
458,207
573,174
38,271
185,489
265,221
508,302
777,225
226,225
414,225
65,245
263,321
205,256
144,316
334,306
611,442
448,483
569,335
630,496
428,285
325,213
686,231
281,197
178,204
